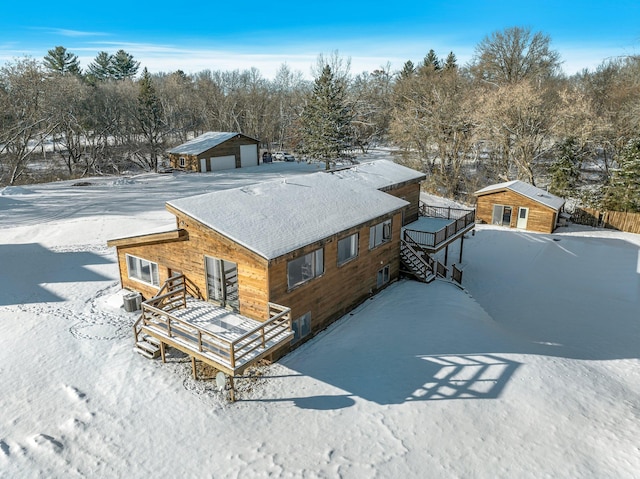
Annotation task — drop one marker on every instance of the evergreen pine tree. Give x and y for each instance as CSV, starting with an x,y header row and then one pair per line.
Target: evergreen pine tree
x,y
325,120
451,62
150,118
59,60
123,65
431,60
565,171
101,68
623,191
408,70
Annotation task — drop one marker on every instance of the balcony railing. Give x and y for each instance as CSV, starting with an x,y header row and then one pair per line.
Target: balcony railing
x,y
461,220
158,318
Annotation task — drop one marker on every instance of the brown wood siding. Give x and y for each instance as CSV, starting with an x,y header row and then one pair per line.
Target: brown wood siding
x,y
328,297
228,148
191,162
187,257
411,193
340,288
541,218
252,268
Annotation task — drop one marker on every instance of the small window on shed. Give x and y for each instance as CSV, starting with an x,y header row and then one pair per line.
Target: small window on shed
x,y
182,162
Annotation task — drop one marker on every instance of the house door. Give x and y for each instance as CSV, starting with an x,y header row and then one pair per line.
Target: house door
x,y
523,214
222,282
203,165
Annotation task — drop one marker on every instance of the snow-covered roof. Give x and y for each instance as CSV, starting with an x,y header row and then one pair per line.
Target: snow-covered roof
x,y
380,174
204,142
276,217
525,189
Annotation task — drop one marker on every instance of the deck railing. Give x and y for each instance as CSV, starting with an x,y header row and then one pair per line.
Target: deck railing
x,y
423,265
456,274
156,314
463,219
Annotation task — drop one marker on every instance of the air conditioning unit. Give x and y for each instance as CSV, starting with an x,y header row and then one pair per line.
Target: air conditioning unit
x,y
132,302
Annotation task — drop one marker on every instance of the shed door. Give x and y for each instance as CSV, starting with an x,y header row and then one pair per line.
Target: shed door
x,y
496,219
523,214
223,162
248,155
203,165
501,215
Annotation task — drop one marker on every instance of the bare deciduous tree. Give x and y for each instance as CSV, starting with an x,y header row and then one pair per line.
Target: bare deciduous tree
x,y
513,55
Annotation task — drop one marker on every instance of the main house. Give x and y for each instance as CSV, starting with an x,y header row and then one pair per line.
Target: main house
x,y
279,260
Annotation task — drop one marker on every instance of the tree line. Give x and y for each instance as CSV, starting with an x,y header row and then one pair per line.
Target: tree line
x,y
510,113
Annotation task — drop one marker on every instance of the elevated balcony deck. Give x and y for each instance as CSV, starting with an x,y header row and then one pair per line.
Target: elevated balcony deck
x,y
224,339
435,229
439,226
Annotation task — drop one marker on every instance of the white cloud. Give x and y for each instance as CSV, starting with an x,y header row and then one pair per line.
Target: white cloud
x,y
72,33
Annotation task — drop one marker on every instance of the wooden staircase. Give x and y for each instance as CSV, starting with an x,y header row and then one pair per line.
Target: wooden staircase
x,y
147,346
417,263
172,295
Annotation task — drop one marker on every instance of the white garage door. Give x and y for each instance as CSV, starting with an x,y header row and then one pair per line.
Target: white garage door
x,y
248,155
223,162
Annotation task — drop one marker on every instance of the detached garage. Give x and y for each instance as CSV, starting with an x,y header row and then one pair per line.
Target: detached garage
x,y
517,204
215,151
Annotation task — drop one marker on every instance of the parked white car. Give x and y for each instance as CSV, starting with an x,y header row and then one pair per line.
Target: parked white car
x,y
283,156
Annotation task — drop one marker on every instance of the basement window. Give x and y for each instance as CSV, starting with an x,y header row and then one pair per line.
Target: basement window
x,y
301,327
142,270
383,276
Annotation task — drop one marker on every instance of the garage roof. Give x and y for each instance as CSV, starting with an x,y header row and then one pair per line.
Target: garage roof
x,y
205,142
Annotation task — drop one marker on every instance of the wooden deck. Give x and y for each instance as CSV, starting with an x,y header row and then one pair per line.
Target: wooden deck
x,y
435,229
438,226
224,339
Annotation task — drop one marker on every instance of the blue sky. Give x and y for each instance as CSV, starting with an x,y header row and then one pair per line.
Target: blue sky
x,y
197,35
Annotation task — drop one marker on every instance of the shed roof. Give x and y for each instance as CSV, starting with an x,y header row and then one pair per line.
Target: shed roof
x,y
204,142
276,217
525,189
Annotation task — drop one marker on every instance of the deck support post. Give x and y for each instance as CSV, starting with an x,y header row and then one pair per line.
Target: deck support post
x,y
461,246
446,255
193,367
162,352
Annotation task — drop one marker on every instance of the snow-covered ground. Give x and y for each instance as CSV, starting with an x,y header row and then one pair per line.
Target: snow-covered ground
x,y
533,371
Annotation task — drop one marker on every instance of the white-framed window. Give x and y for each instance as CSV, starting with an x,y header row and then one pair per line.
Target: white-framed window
x,y
304,268
182,162
383,276
301,327
347,248
380,233
142,270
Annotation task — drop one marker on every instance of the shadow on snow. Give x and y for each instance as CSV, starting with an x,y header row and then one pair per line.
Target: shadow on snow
x,y
551,295
28,268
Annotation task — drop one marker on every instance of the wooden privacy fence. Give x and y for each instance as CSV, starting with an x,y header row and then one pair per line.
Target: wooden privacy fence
x,y
617,220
